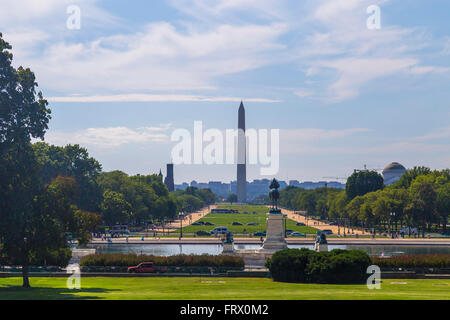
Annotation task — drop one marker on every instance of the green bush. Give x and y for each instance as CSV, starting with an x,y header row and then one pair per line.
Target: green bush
x,y
128,260
307,266
441,261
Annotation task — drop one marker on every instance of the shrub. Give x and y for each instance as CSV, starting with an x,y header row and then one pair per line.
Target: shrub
x,y
127,260
441,261
289,265
307,266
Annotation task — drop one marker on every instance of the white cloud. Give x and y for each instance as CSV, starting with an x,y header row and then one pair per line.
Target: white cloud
x,y
155,98
355,73
160,57
215,39
107,138
437,134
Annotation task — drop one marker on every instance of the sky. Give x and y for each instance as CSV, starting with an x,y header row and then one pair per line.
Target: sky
x,y
341,94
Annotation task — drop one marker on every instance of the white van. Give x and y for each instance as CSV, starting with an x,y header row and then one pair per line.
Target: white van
x,y
219,230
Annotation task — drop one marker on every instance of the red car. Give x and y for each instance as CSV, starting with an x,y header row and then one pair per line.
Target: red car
x,y
146,267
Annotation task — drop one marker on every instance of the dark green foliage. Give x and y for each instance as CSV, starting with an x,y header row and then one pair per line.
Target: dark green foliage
x,y
307,266
290,265
128,260
410,175
193,199
71,161
362,182
414,261
232,198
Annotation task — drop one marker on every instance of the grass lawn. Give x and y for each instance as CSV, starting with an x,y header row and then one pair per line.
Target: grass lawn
x,y
226,220
218,289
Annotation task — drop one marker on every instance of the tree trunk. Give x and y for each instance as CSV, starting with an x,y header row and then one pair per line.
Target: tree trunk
x,y
26,281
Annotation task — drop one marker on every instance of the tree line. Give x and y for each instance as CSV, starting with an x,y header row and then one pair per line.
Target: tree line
x,y
420,200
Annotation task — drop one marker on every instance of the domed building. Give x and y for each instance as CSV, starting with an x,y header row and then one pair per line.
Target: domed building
x,y
393,172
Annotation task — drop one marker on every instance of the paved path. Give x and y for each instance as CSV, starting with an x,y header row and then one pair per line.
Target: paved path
x,y
317,224
188,219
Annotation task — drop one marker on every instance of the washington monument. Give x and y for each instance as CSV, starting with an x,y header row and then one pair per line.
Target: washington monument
x,y
242,158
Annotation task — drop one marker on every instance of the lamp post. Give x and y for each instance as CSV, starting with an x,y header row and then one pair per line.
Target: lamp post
x,y
181,215
392,215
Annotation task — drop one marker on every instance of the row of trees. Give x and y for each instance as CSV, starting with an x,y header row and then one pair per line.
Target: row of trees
x,y
420,199
120,198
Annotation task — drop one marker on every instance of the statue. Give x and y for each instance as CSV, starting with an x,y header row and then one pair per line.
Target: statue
x,y
274,194
321,242
229,237
228,243
321,238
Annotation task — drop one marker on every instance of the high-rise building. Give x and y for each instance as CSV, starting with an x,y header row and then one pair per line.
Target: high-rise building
x,y
169,180
242,157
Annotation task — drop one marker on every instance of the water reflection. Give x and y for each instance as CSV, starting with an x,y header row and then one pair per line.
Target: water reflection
x,y
216,249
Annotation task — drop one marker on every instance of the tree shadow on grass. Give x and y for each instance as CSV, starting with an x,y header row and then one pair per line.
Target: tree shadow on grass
x,y
10,292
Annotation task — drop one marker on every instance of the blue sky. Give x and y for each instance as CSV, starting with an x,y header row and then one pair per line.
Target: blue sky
x,y
341,94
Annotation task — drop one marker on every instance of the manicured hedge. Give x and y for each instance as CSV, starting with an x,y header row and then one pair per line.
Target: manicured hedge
x,y
307,266
128,260
441,261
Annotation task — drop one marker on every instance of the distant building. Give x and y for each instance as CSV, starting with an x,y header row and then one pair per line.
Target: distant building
x,y
182,186
169,180
393,172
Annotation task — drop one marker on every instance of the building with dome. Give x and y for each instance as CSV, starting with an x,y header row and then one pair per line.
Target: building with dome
x,y
393,172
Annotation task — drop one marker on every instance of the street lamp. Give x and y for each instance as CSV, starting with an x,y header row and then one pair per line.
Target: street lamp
x,y
392,214
181,215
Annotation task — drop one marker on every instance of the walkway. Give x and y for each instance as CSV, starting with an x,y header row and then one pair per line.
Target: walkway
x,y
318,224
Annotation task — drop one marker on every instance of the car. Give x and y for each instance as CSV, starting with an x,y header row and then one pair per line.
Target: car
x,y
259,234
253,224
219,230
237,224
297,234
197,224
300,224
333,224
146,267
203,233
327,232
288,232
209,224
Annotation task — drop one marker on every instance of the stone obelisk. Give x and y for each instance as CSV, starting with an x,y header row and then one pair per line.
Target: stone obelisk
x,y
242,157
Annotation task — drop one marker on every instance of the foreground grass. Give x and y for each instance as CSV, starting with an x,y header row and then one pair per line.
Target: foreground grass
x,y
260,216
218,289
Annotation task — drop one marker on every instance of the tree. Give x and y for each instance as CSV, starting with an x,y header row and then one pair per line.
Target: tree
x,y
362,182
23,115
86,223
207,196
443,204
115,209
71,161
410,175
140,196
232,198
422,206
337,206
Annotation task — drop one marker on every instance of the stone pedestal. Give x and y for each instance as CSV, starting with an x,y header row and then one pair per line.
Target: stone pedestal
x,y
275,232
321,247
228,248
